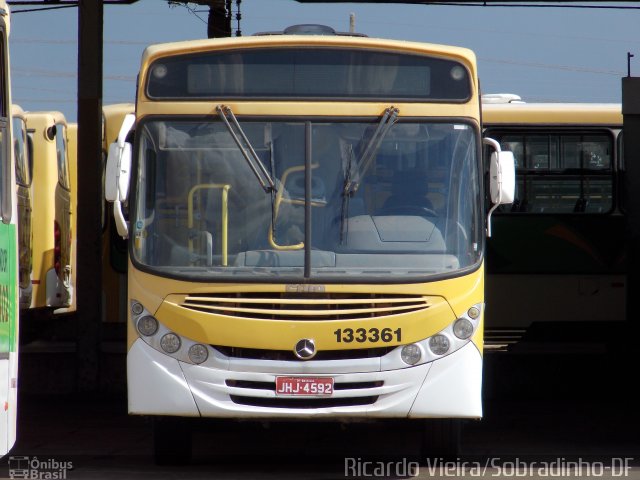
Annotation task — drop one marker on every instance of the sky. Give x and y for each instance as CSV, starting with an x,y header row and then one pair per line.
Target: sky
x,y
541,54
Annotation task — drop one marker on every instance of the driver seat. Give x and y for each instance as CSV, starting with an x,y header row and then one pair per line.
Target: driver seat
x,y
409,189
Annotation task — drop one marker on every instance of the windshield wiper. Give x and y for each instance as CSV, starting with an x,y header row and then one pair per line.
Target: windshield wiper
x,y
352,182
250,155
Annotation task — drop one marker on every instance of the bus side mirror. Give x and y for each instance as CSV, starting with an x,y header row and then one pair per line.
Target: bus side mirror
x,y
502,178
118,174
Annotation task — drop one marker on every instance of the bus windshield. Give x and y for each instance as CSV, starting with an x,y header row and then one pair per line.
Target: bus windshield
x,y
347,202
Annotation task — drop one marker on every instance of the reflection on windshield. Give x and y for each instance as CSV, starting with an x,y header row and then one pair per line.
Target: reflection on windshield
x,y
200,210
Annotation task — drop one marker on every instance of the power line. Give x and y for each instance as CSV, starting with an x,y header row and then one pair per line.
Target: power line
x,y
529,5
60,4
541,4
549,66
42,9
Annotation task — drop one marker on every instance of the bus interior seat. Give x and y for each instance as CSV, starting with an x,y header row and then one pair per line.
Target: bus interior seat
x,y
409,189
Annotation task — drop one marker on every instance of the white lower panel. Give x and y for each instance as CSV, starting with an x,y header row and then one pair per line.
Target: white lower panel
x,y
8,402
160,385
395,396
5,422
156,385
453,388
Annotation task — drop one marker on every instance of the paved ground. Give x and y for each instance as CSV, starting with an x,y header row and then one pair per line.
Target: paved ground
x,y
539,417
102,442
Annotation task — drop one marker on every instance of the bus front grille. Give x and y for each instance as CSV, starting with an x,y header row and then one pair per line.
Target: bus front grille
x,y
305,306
303,403
289,356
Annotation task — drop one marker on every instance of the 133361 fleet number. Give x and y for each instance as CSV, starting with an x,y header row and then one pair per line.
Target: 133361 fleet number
x,y
373,335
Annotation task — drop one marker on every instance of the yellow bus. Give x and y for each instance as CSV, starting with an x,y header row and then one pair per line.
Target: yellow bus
x,y
560,240
114,247
72,154
306,232
52,285
23,157
9,303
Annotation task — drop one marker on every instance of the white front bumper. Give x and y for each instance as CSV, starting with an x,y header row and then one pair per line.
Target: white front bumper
x,y
161,385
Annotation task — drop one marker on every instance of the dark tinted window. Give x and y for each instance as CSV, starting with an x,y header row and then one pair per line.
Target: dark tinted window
x,y
4,78
318,73
5,136
560,171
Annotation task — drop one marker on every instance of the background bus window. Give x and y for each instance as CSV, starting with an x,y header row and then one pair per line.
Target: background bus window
x,y
5,143
560,173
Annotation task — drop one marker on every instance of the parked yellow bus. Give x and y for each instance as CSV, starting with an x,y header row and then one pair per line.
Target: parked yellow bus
x,y
52,285
9,303
23,158
557,249
306,232
72,154
114,247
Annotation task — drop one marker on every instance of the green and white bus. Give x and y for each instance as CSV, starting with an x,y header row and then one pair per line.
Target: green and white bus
x,y
8,253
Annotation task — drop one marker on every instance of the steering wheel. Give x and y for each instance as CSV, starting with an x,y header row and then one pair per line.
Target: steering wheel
x,y
408,210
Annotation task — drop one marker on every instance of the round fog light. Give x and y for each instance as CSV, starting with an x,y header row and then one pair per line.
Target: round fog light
x,y
170,343
198,353
136,308
463,328
439,344
411,354
147,325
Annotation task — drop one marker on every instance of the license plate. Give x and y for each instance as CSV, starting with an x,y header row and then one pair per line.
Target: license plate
x,y
304,386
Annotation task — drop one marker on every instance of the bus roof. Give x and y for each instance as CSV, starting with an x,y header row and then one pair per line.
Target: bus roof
x,y
552,114
116,108
4,12
365,107
50,118
16,110
112,116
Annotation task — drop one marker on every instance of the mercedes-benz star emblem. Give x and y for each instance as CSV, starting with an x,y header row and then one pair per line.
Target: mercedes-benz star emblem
x,y
305,349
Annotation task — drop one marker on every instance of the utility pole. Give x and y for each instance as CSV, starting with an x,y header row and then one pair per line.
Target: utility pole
x,y
631,184
219,24
89,214
221,16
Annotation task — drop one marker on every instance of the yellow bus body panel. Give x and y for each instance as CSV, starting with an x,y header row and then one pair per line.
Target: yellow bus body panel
x,y
447,299
113,282
25,210
51,202
72,149
514,114
146,106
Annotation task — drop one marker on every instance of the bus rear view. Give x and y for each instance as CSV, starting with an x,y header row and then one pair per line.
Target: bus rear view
x,y
306,224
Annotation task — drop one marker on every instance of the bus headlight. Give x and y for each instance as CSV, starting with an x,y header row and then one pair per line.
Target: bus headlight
x,y
411,354
462,328
439,344
170,342
450,339
162,339
198,353
137,308
147,325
